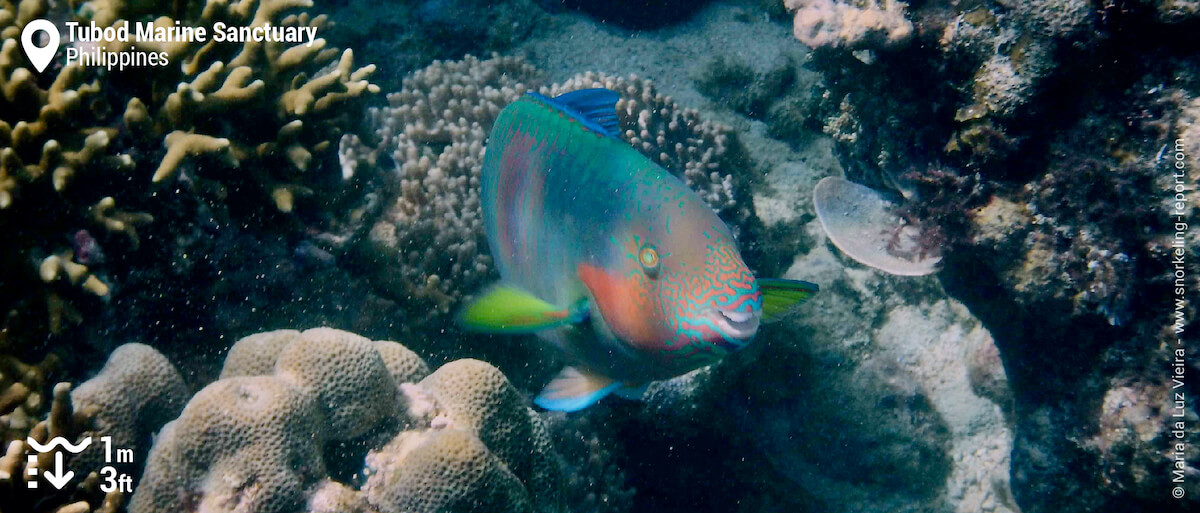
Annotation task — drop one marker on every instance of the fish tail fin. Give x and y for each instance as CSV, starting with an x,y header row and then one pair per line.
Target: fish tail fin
x,y
781,297
574,389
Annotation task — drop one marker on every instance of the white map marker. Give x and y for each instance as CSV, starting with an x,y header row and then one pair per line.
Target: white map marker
x,y
40,57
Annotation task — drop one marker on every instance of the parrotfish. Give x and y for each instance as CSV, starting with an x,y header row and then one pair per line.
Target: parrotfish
x,y
608,256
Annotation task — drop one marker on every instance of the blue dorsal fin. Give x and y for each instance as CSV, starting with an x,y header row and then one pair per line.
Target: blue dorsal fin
x,y
595,108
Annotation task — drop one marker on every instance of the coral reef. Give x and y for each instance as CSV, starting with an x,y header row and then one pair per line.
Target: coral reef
x,y
884,367
429,246
87,157
429,243
270,438
1043,171
591,456
135,393
853,25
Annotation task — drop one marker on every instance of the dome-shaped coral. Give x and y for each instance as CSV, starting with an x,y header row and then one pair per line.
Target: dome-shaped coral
x,y
261,444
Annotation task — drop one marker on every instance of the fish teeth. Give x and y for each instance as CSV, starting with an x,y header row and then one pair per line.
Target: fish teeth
x,y
737,317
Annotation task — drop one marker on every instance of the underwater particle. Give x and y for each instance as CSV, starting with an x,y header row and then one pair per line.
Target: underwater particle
x,y
859,222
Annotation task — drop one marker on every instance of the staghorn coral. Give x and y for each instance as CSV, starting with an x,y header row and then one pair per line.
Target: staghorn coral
x,y
429,243
21,395
262,440
253,122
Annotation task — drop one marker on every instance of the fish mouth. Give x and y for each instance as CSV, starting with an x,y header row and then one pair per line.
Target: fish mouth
x,y
736,324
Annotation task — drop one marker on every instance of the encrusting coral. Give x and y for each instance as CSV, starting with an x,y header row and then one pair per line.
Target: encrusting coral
x,y
260,438
853,25
429,243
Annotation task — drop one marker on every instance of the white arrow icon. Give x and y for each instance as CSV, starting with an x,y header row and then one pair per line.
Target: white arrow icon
x,y
58,478
40,56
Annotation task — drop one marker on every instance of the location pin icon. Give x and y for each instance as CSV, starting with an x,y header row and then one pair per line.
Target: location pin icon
x,y
40,57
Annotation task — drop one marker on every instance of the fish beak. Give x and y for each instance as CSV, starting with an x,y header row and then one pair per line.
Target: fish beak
x,y
741,325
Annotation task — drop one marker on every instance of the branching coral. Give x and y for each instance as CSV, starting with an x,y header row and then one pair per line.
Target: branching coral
x,y
22,387
251,124
430,240
429,244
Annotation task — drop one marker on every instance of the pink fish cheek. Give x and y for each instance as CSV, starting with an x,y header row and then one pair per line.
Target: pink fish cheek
x,y
626,303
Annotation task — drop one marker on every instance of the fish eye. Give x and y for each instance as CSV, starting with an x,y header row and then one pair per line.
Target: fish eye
x,y
648,257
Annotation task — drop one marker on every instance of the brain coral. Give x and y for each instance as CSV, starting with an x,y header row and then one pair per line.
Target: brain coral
x,y
135,393
474,396
255,355
429,244
345,375
442,470
463,438
249,443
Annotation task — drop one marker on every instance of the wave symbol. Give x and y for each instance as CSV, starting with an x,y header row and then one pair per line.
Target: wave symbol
x,y
57,441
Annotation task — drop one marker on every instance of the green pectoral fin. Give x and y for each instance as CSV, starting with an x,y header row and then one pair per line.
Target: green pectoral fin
x,y
508,309
781,297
